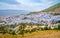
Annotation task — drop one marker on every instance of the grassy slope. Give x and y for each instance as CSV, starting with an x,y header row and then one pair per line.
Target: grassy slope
x,y
52,8
44,34
38,34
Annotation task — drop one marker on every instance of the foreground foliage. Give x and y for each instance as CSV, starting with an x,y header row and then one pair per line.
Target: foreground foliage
x,y
37,34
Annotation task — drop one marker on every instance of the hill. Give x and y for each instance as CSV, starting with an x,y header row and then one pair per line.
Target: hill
x,y
12,12
53,9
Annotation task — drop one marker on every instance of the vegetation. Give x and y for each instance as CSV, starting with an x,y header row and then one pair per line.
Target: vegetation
x,y
21,31
39,34
4,29
59,27
58,21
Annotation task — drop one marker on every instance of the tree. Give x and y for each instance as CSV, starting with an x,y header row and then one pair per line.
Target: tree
x,y
58,26
21,29
4,29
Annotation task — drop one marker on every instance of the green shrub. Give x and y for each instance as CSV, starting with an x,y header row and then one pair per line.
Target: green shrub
x,y
34,29
27,31
59,27
13,33
46,28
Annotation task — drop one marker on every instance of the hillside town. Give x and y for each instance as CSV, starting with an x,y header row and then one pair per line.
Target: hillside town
x,y
42,18
29,18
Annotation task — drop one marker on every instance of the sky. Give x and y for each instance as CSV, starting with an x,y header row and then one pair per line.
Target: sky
x,y
29,5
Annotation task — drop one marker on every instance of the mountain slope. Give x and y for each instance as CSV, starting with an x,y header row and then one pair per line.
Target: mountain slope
x,y
53,8
12,12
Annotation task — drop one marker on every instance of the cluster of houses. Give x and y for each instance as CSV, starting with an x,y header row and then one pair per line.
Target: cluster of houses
x,y
33,18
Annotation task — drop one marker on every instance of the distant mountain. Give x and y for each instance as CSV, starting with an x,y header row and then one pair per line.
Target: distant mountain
x,y
55,8
12,12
